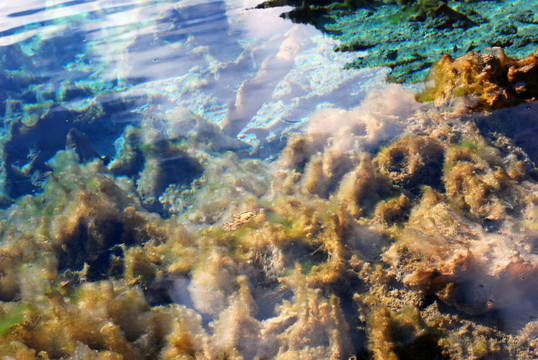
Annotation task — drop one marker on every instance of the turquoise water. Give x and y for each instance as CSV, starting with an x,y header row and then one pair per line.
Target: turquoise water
x,y
210,180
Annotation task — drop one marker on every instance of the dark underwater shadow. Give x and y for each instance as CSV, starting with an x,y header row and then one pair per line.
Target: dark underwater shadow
x,y
520,124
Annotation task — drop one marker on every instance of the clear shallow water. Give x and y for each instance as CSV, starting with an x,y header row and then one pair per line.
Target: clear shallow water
x,y
196,54
176,224
250,72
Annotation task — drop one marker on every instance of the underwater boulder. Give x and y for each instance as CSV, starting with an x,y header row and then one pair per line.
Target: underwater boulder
x,y
175,167
310,326
87,238
362,187
167,153
27,149
94,218
129,159
402,335
9,285
480,182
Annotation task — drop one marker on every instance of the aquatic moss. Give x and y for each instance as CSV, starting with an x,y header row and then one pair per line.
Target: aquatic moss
x,y
361,188
393,210
380,337
437,245
18,350
402,15
475,180
138,265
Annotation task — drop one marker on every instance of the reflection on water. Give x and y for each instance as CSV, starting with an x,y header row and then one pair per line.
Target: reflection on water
x,y
247,71
202,179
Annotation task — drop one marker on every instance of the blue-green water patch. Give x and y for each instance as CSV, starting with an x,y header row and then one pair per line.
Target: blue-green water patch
x,y
410,36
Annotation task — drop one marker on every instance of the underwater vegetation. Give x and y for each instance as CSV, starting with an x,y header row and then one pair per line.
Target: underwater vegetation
x,y
411,36
394,232
396,229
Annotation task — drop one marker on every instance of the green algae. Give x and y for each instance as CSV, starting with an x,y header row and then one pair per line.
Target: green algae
x,y
470,145
12,318
282,220
402,15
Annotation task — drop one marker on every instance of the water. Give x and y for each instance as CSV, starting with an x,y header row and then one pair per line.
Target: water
x,y
203,179
246,70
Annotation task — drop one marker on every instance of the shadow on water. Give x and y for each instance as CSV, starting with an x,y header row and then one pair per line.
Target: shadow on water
x,y
519,124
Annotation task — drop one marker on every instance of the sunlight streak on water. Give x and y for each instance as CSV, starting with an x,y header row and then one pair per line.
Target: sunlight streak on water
x,y
223,60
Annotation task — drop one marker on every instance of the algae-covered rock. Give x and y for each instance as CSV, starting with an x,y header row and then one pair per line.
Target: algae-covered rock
x,y
165,163
393,210
236,326
155,162
483,81
361,188
104,316
329,159
401,335
81,221
9,286
477,180
444,253
309,326
95,218
412,162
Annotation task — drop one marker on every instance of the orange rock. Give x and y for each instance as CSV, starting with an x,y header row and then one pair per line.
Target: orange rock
x,y
483,81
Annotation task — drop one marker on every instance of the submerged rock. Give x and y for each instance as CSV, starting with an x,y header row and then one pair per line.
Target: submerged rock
x,y
81,144
411,162
411,36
